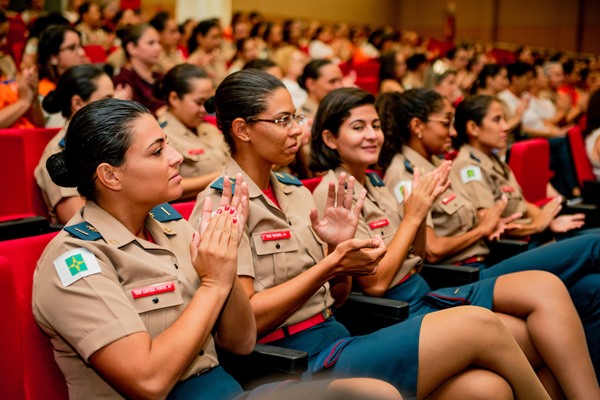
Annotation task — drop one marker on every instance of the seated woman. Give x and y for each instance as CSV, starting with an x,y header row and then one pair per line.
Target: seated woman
x,y
59,49
19,102
133,299
347,139
185,88
392,70
77,87
442,77
204,47
592,133
417,129
292,283
483,178
169,34
142,49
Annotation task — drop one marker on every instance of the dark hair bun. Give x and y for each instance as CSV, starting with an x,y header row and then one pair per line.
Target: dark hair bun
x,y
59,173
209,105
51,102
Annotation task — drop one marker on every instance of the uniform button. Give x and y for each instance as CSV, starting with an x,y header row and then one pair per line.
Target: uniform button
x,y
381,233
176,266
201,353
155,300
290,223
277,246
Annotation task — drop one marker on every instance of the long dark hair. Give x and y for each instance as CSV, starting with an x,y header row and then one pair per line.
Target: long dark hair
x,y
78,80
334,109
396,110
98,133
49,45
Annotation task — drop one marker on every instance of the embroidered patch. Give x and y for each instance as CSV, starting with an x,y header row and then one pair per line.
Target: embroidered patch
x,y
76,264
402,191
471,173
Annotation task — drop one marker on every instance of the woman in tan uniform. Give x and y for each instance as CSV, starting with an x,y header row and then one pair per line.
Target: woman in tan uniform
x,y
482,177
294,267
347,138
185,88
133,299
78,86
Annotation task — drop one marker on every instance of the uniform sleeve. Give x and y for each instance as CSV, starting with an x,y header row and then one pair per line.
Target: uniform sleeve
x,y
470,180
90,313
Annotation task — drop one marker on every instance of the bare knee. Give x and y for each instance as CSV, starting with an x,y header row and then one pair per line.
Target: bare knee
x,y
367,388
474,384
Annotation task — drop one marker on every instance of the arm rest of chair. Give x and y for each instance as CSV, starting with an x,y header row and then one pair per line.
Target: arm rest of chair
x,y
439,276
591,192
592,214
23,227
364,314
505,248
265,364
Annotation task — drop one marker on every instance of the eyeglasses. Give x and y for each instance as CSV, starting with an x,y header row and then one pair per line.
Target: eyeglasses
x,y
73,47
447,123
284,122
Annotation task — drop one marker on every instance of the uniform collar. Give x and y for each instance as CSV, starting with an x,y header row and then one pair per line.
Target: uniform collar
x,y
417,160
232,168
114,233
175,125
487,162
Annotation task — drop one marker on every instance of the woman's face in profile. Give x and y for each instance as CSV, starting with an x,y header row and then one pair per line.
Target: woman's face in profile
x,y
150,173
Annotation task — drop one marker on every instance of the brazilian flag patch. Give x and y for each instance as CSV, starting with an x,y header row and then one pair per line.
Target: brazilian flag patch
x,y
76,264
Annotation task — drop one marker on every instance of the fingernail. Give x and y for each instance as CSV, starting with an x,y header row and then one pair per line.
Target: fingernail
x,y
219,211
231,211
235,220
226,208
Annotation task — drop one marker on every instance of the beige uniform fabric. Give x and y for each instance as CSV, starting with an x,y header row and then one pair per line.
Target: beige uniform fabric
x,y
496,179
451,215
53,194
168,60
99,309
379,216
203,153
274,261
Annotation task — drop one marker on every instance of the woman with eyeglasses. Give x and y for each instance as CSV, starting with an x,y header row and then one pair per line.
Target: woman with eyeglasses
x,y
293,281
185,88
59,49
135,302
347,139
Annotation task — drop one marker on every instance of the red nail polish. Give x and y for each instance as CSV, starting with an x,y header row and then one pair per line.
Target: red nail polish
x,y
235,220
226,208
231,211
219,211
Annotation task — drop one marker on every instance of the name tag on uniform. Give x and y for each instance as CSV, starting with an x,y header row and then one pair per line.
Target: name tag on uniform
x,y
194,152
448,199
379,224
507,189
153,289
275,235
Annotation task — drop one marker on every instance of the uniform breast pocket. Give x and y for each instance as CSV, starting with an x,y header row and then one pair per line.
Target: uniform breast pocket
x,y
274,250
155,294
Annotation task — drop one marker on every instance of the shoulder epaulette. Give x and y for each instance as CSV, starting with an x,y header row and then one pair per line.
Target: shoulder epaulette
x,y
288,179
218,184
62,143
375,179
162,124
474,157
83,231
164,213
409,167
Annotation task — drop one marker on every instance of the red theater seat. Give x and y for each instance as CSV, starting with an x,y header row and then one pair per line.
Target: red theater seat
x,y
20,152
27,364
530,162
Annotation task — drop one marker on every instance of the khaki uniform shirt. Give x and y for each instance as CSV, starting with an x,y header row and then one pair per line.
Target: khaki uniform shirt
x,y
117,298
379,216
484,179
451,215
278,243
203,153
53,194
166,61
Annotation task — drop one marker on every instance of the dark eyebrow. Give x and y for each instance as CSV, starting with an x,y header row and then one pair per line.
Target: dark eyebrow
x,y
159,140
